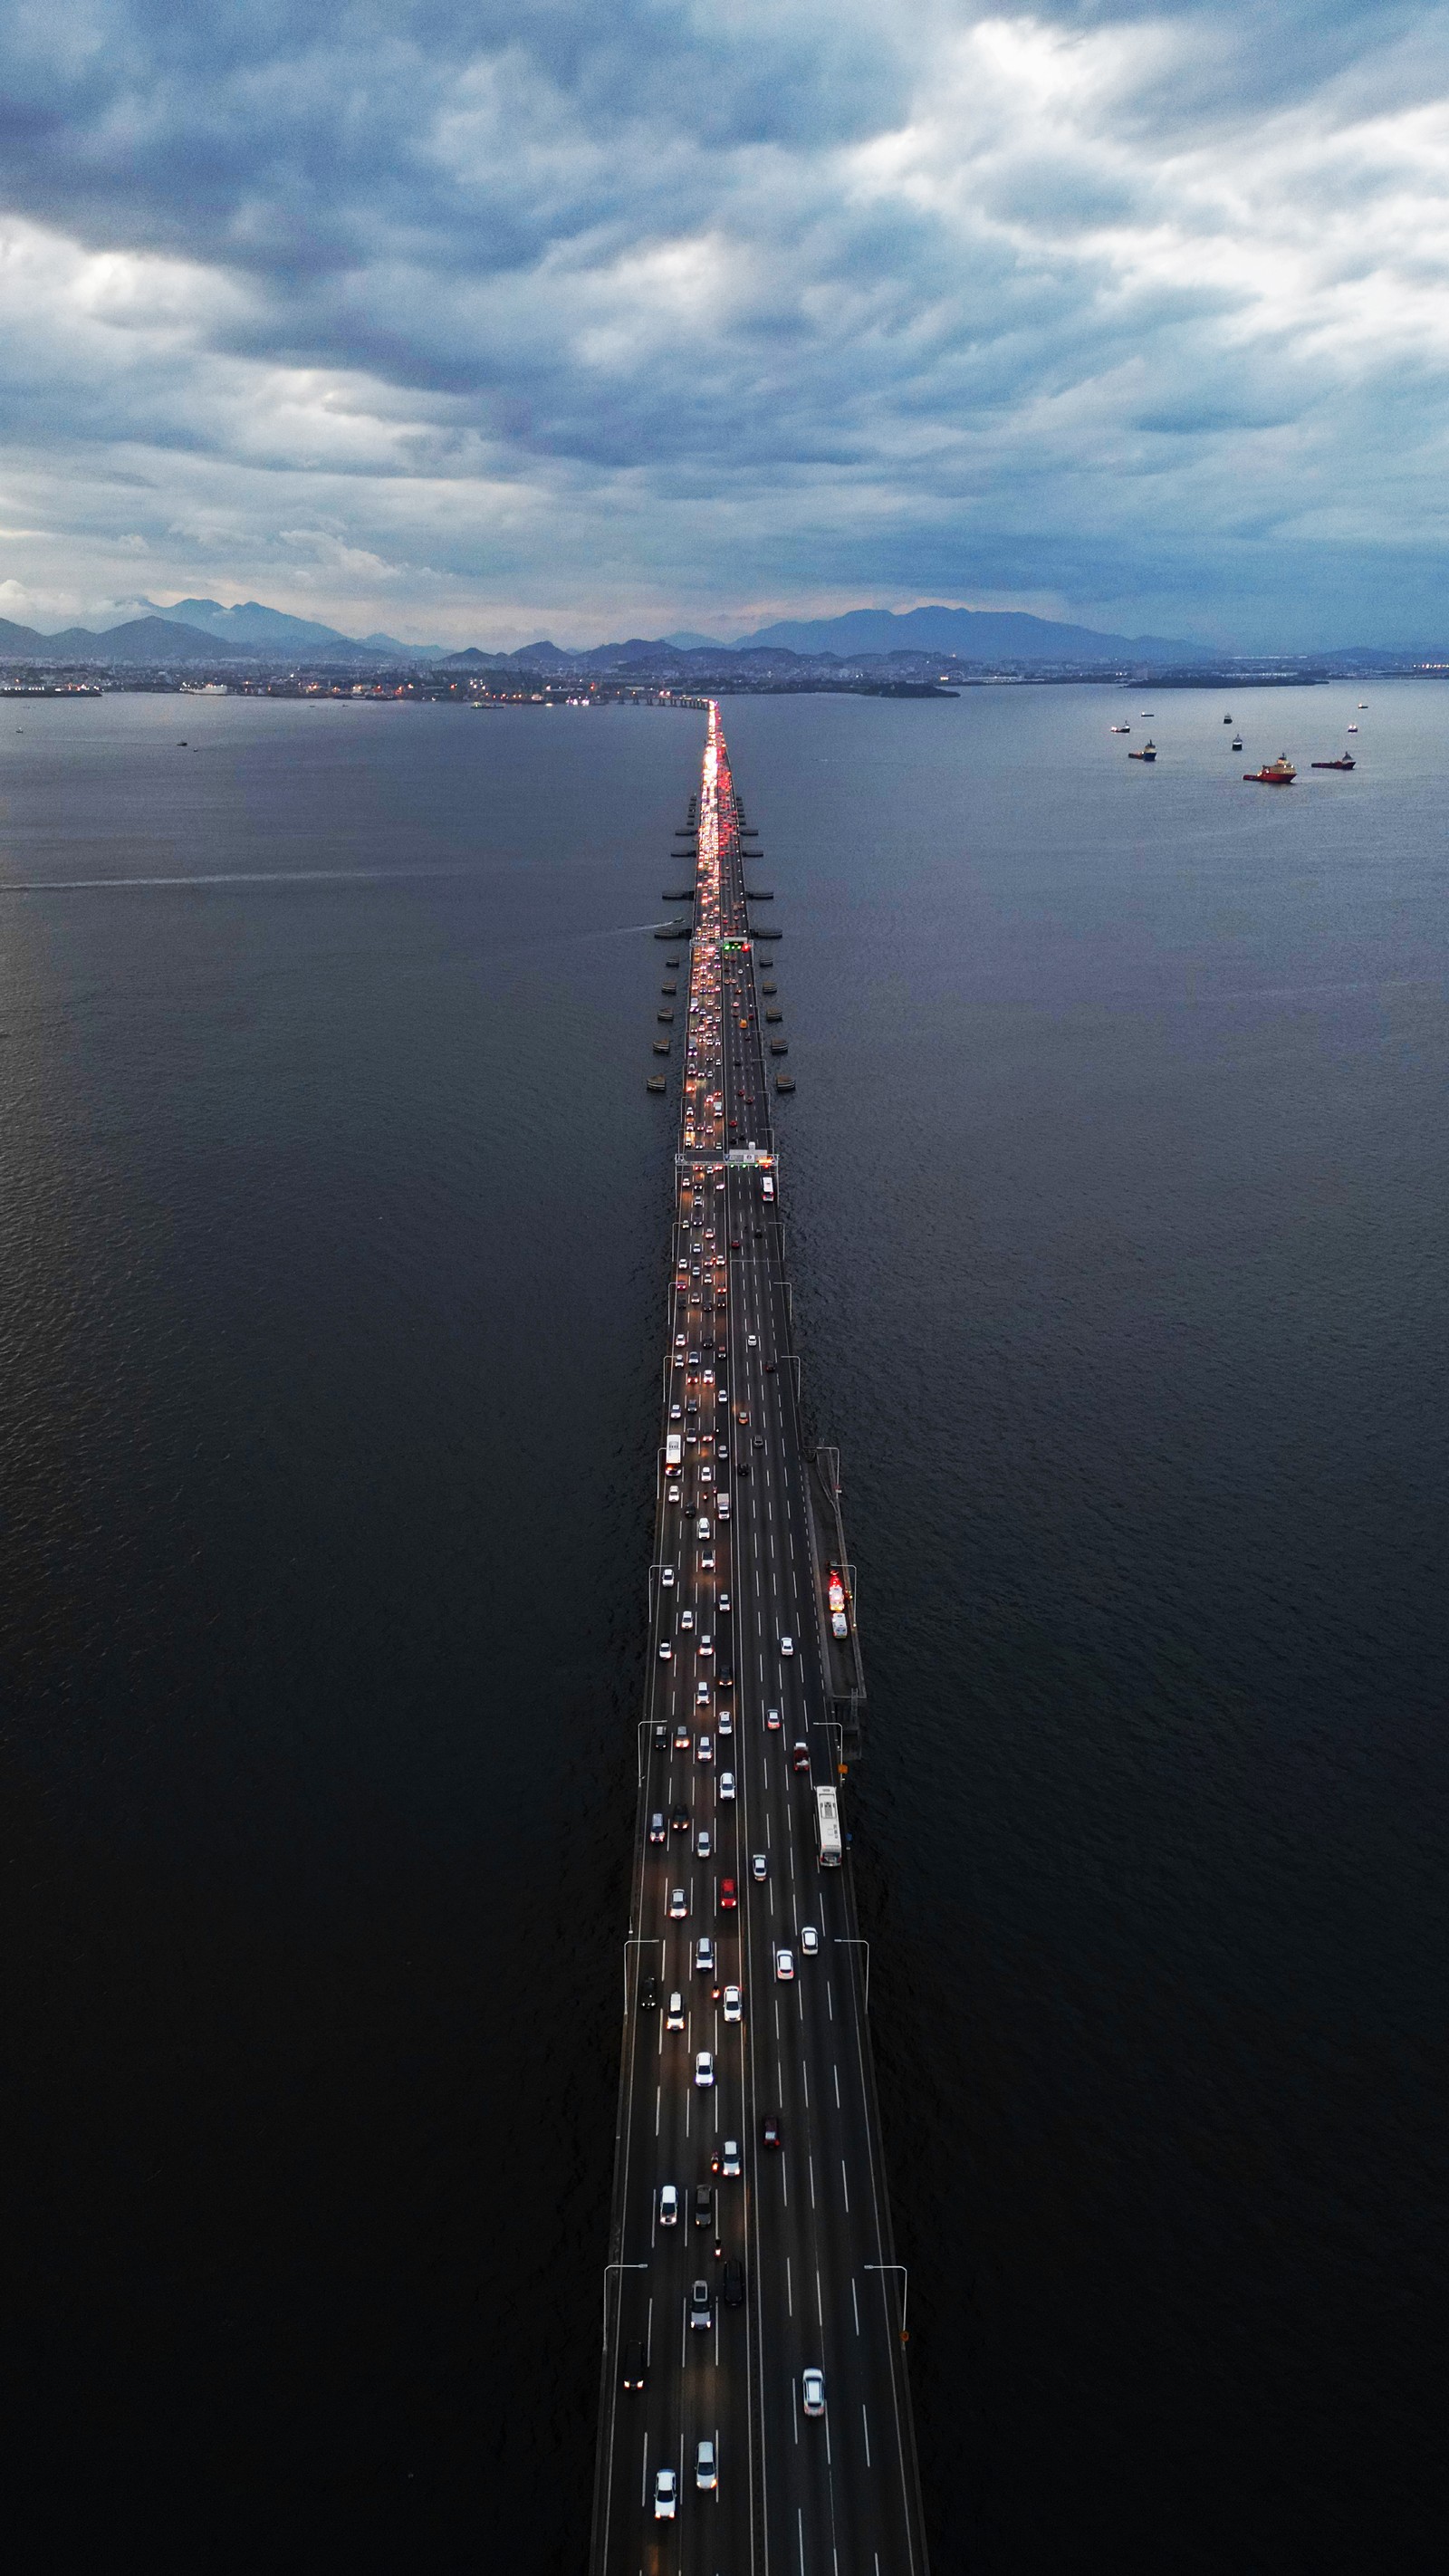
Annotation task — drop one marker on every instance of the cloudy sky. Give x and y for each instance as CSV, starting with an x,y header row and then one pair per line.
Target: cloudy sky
x,y
480,319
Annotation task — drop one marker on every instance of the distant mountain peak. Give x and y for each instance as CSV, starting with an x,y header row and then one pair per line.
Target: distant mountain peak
x,y
972,634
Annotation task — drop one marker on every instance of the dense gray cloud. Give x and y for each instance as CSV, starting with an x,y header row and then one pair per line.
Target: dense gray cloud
x,y
475,319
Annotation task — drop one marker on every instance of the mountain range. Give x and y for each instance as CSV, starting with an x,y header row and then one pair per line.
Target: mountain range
x,y
191,630
203,630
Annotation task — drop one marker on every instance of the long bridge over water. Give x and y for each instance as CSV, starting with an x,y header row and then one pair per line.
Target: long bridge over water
x,y
751,2243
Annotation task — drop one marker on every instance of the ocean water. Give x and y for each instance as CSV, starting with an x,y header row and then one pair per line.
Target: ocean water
x,y
333,1226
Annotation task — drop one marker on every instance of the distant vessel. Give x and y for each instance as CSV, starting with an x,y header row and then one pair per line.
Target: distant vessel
x,y
1121,728
1148,752
1227,720
1362,705
1274,773
1147,711
1353,728
1345,761
1237,742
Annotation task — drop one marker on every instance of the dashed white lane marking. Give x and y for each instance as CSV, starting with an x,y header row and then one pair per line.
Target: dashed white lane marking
x,y
845,2187
855,2303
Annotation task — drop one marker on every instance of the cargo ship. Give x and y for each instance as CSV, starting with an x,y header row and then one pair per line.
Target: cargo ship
x,y
1274,773
1345,761
1148,752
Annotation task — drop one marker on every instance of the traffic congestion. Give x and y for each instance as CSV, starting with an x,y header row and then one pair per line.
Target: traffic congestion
x,y
755,2407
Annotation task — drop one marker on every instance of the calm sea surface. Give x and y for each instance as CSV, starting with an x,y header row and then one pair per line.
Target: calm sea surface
x,y
332,1250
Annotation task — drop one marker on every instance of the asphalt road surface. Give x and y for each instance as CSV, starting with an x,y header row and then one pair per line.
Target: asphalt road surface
x,y
794,2249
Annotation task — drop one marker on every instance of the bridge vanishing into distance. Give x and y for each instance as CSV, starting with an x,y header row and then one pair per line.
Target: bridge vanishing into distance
x,y
755,2413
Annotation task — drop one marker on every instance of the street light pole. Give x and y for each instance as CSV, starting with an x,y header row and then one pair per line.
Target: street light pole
x,y
905,2288
638,1941
853,1941
617,2267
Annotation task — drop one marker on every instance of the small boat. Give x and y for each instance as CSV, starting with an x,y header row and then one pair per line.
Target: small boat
x,y
1148,752
1274,773
1147,711
1353,728
1362,705
1227,720
1237,742
1345,761
655,1082
1121,728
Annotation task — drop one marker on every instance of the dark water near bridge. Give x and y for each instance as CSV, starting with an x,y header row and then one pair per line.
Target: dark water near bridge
x,y
333,1231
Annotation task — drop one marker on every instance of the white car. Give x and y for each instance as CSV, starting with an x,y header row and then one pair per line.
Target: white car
x,y
666,2495
726,1782
665,1650
678,1903
726,1722
704,1750
671,1494
686,1618
787,1645
704,2067
666,1574
705,1645
669,2204
729,2163
701,1843
751,1342
704,2468
701,1693
784,1965
809,1940
732,2003
812,2391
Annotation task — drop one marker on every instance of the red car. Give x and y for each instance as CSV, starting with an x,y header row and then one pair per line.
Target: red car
x,y
727,1898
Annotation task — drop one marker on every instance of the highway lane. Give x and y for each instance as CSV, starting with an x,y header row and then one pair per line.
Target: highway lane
x,y
807,2220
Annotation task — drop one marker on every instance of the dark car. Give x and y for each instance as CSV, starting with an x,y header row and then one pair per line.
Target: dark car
x,y
679,1819
703,2205
734,2283
724,1676
759,1440
661,1738
649,1995
774,2129
634,2369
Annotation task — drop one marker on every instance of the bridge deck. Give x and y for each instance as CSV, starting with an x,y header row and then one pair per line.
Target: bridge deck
x,y
808,2221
